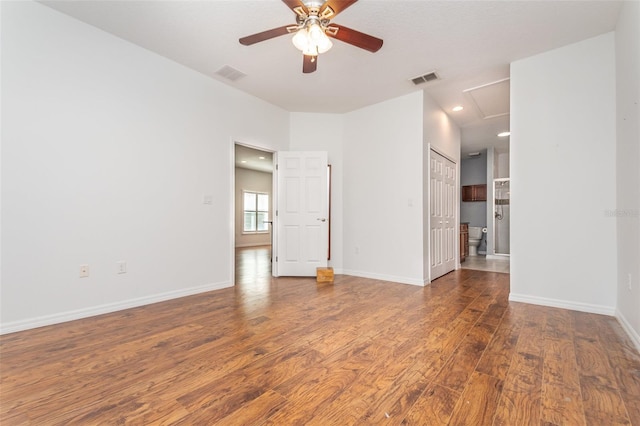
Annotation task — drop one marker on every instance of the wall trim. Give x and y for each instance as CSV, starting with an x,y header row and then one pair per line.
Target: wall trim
x,y
633,335
564,304
383,277
14,326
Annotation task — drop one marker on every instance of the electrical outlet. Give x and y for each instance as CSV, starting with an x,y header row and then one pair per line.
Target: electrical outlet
x,y
357,250
121,267
84,271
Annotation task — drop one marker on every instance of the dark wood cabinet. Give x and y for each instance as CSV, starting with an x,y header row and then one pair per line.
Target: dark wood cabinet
x,y
464,241
474,192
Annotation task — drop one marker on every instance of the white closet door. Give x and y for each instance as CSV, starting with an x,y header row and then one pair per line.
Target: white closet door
x,y
442,210
449,203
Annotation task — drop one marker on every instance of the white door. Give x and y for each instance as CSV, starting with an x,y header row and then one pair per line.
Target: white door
x,y
436,220
302,218
451,235
442,210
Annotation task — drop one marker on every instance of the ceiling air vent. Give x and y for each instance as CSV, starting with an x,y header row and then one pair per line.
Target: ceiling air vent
x,y
425,78
230,73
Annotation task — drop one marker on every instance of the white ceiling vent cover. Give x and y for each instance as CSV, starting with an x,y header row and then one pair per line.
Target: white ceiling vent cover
x,y
230,73
431,76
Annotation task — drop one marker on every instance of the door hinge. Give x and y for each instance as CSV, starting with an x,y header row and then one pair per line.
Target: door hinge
x,y
276,258
276,167
276,212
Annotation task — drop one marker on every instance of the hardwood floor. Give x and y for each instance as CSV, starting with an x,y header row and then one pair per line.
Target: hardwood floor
x,y
359,351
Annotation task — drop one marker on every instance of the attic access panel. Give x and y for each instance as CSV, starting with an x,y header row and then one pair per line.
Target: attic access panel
x,y
492,99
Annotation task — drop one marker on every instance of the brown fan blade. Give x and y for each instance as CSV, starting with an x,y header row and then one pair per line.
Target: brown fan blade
x,y
297,6
309,64
356,38
265,35
332,7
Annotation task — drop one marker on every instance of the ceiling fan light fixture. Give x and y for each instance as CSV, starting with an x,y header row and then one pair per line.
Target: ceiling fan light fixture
x,y
312,40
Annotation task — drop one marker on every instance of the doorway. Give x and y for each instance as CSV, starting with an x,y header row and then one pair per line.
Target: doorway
x,y
253,213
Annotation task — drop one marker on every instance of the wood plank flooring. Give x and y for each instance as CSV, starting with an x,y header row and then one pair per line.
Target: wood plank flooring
x,y
290,351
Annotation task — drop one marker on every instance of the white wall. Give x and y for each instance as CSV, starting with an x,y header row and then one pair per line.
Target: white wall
x,y
107,151
563,177
255,181
382,193
502,165
628,166
440,131
324,132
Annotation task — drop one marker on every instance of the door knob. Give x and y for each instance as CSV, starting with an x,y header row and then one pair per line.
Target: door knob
x,y
322,219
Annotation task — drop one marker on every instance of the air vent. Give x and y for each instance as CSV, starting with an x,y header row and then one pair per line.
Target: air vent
x,y
230,73
425,78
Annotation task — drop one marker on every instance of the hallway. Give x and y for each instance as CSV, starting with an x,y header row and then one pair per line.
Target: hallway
x,y
481,263
253,266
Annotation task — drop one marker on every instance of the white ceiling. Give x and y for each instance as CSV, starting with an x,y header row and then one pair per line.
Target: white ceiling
x,y
468,43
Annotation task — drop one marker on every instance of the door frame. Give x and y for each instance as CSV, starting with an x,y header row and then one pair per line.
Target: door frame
x,y
232,203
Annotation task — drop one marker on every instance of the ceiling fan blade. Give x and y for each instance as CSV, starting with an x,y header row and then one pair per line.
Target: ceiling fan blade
x,y
332,7
297,6
265,35
356,38
309,64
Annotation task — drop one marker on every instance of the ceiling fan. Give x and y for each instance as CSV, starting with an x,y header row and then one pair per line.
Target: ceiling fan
x,y
313,28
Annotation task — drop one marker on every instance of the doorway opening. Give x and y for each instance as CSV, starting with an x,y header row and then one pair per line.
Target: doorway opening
x,y
490,214
253,216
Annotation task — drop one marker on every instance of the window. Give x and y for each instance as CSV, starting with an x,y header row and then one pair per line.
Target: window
x,y
256,212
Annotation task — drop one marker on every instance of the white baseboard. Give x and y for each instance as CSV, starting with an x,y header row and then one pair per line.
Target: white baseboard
x,y
633,335
383,277
497,257
12,327
564,304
